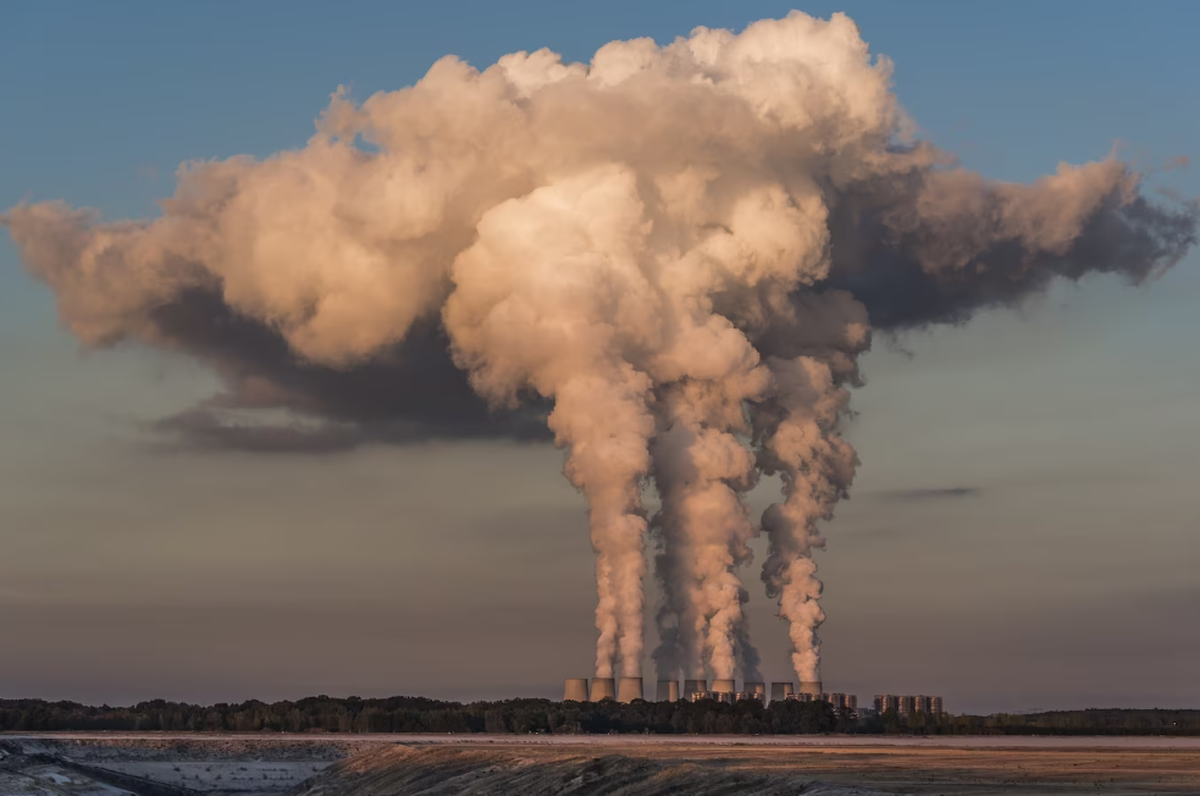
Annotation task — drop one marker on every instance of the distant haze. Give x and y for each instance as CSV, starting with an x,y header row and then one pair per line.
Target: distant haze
x,y
315,455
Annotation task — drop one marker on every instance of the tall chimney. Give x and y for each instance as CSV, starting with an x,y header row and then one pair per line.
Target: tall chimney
x,y
667,691
575,690
692,686
810,687
724,686
779,691
631,689
603,688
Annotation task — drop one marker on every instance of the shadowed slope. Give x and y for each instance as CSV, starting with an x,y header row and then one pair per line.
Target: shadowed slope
x,y
439,771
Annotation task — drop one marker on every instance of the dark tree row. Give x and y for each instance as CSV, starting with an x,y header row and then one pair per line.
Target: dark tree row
x,y
420,715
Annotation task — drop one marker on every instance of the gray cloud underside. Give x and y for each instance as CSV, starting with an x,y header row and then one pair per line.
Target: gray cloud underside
x,y
924,495
883,264
416,393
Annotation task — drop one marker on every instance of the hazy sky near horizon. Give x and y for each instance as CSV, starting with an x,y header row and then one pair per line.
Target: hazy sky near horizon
x,y
1024,530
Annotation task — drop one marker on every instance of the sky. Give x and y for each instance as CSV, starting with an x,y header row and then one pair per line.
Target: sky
x,y
1022,532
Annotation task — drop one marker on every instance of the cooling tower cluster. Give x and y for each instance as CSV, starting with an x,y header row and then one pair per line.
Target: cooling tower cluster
x,y
723,689
629,689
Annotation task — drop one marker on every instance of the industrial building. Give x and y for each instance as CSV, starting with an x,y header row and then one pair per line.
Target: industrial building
x,y
603,688
844,702
741,695
576,690
848,702
667,691
716,696
630,689
905,705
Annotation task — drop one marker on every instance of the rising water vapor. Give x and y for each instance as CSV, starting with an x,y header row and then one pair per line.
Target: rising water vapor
x,y
672,256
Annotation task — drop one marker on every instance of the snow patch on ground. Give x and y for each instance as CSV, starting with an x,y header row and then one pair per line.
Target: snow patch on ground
x,y
44,780
217,775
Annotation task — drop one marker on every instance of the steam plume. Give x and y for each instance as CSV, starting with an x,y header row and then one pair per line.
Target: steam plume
x,y
681,250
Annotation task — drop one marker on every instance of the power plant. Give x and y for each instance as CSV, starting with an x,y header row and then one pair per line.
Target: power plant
x,y
629,689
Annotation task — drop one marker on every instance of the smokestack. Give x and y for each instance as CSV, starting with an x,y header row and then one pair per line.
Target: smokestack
x,y
667,691
631,689
724,686
692,686
575,690
780,691
756,688
603,688
810,687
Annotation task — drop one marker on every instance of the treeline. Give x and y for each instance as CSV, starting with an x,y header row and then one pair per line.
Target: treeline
x,y
420,715
1095,721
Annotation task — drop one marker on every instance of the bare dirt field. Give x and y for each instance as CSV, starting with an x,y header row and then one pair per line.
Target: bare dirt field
x,y
398,765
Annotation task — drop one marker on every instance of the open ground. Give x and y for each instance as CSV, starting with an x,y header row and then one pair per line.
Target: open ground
x,y
90,764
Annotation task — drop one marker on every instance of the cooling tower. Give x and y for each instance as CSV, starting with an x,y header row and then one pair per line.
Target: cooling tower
x,y
631,689
810,687
667,691
575,690
603,688
779,691
756,688
724,686
692,686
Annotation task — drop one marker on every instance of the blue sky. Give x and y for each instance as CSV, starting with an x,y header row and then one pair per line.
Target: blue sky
x,y
128,573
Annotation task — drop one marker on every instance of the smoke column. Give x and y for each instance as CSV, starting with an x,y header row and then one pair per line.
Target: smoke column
x,y
700,469
671,257
799,439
